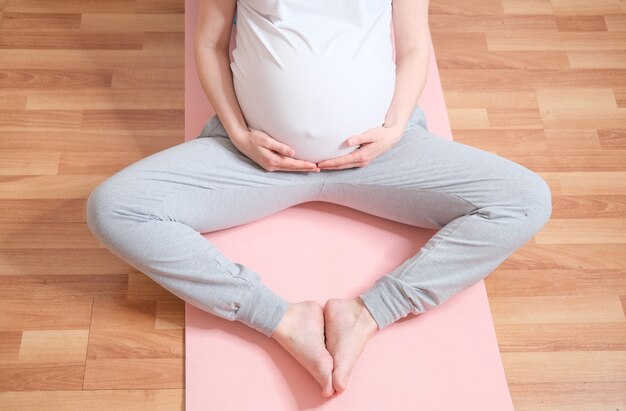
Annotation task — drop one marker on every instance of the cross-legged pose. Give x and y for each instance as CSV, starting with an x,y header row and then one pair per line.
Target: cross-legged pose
x,y
308,78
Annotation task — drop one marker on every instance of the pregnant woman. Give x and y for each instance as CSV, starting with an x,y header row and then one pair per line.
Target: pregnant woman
x,y
314,109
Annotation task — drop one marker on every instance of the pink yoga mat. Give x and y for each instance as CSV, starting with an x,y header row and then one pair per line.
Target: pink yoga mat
x,y
445,359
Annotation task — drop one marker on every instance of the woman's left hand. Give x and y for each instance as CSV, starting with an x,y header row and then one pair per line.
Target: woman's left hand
x,y
374,142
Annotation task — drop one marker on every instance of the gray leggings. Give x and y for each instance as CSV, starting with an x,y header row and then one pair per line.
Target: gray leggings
x,y
151,213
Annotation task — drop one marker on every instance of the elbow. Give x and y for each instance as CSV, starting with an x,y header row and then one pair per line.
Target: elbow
x,y
414,57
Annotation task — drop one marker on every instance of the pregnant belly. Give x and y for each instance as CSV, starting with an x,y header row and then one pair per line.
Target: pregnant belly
x,y
315,105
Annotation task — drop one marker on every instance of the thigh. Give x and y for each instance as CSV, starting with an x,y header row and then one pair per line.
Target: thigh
x,y
427,180
205,183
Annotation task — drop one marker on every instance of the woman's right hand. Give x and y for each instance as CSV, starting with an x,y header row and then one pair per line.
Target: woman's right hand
x,y
270,153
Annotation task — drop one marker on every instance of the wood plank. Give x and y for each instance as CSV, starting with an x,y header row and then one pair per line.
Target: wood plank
x,y
598,366
53,210
130,22
573,140
562,337
30,163
14,22
10,346
520,118
117,313
87,400
474,8
581,23
583,230
48,235
517,80
27,314
65,346
615,22
612,138
521,99
144,119
61,261
160,6
135,344
40,187
590,183
133,373
564,309
489,23
591,160
518,60
64,285
108,141
142,287
69,6
155,78
468,118
42,376
527,7
60,59
39,119
170,314
568,396
158,41
555,256
585,8
576,98
505,282
542,40
67,40
12,100
106,99
506,142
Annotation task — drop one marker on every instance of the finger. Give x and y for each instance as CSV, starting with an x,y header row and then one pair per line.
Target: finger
x,y
365,137
277,146
343,166
356,140
306,170
290,162
337,161
356,156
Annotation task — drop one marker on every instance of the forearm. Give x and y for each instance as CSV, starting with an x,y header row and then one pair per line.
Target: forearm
x,y
411,71
216,78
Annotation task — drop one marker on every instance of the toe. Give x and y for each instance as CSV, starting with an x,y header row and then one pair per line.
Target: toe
x,y
328,389
339,380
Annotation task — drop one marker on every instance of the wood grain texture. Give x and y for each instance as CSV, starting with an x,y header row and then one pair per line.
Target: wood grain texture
x,y
88,87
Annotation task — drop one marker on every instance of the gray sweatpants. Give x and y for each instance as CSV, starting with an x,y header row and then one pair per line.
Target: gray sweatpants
x,y
151,213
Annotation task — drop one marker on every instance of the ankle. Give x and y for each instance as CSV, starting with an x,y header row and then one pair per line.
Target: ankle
x,y
366,318
283,329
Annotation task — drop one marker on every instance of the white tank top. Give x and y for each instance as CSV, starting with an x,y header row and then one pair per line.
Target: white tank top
x,y
312,73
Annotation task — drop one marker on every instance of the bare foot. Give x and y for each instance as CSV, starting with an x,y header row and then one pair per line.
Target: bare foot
x,y
301,333
348,326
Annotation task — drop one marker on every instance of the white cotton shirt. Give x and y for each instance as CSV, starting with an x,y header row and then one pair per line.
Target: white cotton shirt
x,y
312,73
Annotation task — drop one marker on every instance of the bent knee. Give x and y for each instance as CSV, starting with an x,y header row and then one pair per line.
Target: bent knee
x,y
118,202
535,198
99,209
109,203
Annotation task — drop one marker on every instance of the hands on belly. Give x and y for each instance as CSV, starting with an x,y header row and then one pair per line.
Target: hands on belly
x,y
270,153
374,142
274,155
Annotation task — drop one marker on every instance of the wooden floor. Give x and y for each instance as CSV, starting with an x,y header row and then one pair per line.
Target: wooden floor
x,y
88,87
